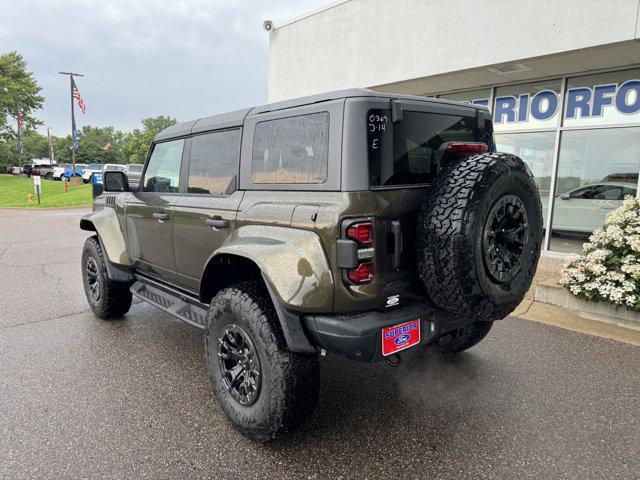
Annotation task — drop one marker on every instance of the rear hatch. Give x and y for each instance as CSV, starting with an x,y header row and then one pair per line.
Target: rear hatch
x,y
405,157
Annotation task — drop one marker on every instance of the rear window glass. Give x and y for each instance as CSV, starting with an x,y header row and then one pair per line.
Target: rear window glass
x,y
135,168
214,162
408,152
291,150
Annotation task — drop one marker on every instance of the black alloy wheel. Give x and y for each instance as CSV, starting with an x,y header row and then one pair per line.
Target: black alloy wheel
x,y
93,279
505,238
239,365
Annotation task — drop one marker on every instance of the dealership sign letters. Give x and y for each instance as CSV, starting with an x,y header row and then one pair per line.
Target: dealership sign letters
x,y
607,104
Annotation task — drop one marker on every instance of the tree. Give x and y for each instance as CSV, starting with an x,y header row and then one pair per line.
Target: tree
x,y
18,89
91,143
34,146
137,144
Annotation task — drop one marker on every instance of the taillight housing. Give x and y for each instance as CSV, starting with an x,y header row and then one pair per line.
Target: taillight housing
x,y
361,233
467,147
362,274
355,251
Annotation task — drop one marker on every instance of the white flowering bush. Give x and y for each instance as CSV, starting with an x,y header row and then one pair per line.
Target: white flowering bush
x,y
608,269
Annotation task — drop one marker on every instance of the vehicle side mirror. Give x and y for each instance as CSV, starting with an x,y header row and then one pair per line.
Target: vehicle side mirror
x,y
115,181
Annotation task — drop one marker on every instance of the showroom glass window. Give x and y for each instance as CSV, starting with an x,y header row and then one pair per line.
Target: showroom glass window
x,y
597,167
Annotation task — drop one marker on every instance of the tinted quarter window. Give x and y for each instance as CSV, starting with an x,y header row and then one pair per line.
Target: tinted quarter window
x,y
407,152
214,162
163,171
291,150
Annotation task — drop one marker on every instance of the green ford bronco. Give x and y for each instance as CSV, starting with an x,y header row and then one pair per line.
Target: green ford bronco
x,y
353,222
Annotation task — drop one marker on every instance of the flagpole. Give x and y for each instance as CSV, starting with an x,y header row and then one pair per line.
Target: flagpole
x,y
73,130
50,145
19,141
73,122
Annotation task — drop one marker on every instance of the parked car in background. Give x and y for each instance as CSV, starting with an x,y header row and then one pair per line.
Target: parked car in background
x,y
15,170
111,167
580,211
78,173
58,170
27,169
134,174
87,173
45,171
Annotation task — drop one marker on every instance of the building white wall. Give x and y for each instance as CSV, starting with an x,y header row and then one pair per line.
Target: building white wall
x,y
362,43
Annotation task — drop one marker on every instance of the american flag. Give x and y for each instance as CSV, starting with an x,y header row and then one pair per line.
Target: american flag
x,y
78,97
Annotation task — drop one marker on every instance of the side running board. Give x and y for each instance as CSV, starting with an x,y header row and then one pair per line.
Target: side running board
x,y
177,303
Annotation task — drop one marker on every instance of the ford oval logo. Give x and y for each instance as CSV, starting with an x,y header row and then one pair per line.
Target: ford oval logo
x,y
404,338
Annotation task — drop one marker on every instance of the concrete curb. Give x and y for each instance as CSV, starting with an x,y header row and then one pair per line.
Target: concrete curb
x,y
555,294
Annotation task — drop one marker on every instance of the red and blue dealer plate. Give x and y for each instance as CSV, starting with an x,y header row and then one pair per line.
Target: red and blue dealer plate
x,y
400,337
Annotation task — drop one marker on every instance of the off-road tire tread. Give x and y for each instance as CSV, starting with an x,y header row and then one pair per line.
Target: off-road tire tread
x,y
115,298
445,252
295,377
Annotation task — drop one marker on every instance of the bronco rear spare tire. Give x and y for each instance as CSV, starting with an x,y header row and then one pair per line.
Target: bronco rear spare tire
x,y
479,236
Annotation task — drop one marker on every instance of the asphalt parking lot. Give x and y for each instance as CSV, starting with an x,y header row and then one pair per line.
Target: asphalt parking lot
x,y
83,398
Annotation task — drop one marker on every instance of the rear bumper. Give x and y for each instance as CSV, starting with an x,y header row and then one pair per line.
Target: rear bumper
x,y
359,336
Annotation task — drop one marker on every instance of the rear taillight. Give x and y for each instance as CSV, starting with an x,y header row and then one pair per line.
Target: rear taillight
x,y
355,251
467,147
361,233
362,274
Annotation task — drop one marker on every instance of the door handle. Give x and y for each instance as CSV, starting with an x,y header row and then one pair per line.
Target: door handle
x,y
217,223
161,216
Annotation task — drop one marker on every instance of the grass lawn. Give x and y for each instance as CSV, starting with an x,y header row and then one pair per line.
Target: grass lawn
x,y
14,191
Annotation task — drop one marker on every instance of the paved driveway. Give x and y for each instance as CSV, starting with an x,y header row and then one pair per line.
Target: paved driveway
x,y
83,398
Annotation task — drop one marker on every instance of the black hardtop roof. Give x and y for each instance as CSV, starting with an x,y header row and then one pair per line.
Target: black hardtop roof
x,y
236,117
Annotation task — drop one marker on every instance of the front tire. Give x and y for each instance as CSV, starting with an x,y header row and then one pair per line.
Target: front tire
x,y
263,389
108,299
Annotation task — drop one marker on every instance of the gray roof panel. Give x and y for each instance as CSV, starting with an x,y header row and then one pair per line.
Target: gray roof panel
x,y
236,118
177,130
222,120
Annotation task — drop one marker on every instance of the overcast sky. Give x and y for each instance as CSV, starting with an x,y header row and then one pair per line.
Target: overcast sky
x,y
143,58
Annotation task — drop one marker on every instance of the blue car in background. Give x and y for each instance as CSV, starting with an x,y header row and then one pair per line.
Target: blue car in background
x,y
79,168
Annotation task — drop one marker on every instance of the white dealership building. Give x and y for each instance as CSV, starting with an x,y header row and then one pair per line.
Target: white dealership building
x,y
562,79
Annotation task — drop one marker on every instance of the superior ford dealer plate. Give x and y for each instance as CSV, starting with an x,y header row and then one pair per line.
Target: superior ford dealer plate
x,y
400,337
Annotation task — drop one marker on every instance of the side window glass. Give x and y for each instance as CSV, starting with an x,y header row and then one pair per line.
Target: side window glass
x,y
610,193
163,171
291,150
214,162
628,191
